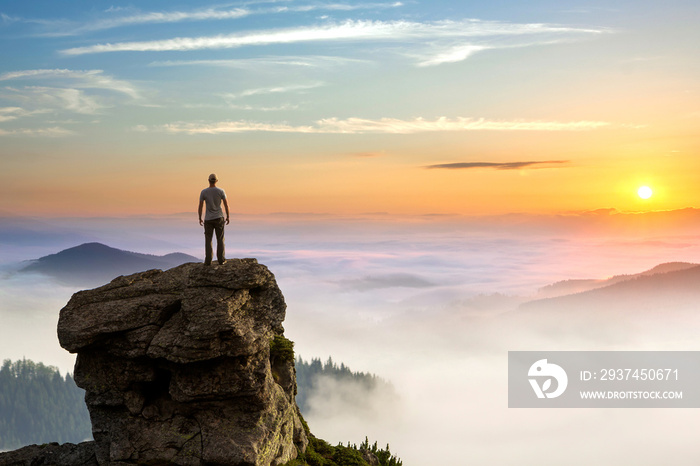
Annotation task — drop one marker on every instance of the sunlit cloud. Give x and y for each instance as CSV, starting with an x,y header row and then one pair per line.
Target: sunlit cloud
x,y
397,126
499,165
384,125
230,127
346,31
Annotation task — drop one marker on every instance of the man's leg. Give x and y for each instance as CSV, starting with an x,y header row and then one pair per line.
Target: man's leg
x,y
208,234
220,247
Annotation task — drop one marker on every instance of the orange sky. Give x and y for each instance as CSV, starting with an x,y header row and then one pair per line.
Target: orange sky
x,y
600,169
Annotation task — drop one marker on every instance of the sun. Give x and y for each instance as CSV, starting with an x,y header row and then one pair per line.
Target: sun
x,y
645,192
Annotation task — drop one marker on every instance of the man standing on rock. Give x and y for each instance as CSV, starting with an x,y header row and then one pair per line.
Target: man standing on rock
x,y
213,220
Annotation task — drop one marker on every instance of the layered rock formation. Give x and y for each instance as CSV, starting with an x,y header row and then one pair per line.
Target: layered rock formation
x,y
178,368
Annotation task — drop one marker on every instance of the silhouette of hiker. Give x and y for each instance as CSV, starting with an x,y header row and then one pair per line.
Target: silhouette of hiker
x,y
213,220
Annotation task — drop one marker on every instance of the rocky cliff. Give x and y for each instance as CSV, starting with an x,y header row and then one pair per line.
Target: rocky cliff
x,y
186,367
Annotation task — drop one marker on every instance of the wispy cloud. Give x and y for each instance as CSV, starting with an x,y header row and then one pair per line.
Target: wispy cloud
x,y
314,61
61,28
444,51
499,165
10,113
339,7
67,90
380,153
6,19
452,54
348,30
14,113
74,100
247,107
164,17
384,125
43,132
207,14
345,31
49,99
397,126
273,90
93,79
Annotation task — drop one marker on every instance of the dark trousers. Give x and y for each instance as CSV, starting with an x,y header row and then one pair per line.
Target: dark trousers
x,y
211,226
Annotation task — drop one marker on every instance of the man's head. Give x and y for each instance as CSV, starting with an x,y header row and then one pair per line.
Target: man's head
x,y
213,179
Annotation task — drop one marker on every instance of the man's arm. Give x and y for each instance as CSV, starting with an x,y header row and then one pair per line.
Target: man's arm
x,y
201,204
226,205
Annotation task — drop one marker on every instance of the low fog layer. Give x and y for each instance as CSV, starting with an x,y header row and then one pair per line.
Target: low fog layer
x,y
433,307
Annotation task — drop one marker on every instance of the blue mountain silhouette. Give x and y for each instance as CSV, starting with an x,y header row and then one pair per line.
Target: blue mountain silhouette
x,y
96,263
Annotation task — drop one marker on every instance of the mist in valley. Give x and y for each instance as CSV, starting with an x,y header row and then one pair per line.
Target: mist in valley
x,y
433,307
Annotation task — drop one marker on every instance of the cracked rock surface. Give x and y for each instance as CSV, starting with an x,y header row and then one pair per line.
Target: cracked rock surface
x,y
177,367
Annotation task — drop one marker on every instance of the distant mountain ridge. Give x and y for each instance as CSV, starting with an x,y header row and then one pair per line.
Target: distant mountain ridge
x,y
97,263
573,286
667,287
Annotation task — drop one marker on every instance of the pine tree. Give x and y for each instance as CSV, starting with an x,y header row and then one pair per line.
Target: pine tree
x,y
38,405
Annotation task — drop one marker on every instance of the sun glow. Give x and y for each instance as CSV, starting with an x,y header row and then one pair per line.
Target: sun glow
x,y
645,192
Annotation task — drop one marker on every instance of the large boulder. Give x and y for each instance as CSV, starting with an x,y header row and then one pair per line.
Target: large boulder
x,y
178,369
53,454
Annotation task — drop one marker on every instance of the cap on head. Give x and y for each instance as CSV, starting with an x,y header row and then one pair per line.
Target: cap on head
x,y
213,177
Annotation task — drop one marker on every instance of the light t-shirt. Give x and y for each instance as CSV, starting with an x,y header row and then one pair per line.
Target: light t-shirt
x,y
212,198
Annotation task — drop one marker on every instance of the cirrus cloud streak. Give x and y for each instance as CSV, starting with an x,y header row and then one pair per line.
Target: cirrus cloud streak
x,y
383,126
208,14
498,165
347,30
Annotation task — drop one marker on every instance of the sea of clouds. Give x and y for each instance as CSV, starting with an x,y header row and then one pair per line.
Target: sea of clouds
x,y
422,302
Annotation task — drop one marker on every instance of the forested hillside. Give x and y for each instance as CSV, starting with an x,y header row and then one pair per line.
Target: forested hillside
x,y
38,405
363,384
